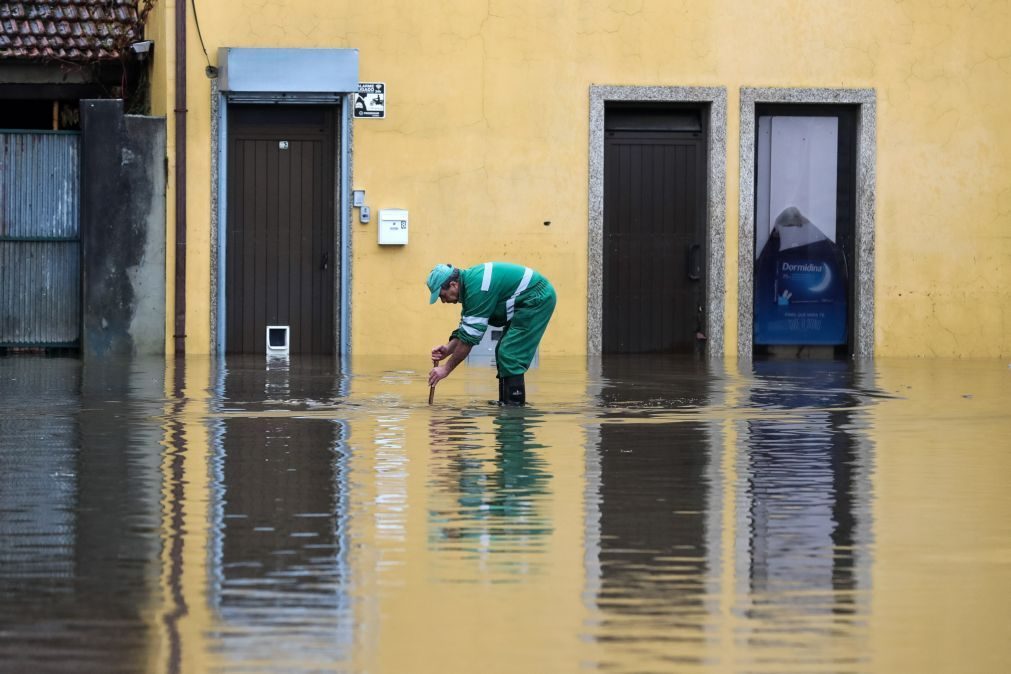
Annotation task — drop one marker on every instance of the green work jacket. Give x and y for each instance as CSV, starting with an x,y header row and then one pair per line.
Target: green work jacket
x,y
488,293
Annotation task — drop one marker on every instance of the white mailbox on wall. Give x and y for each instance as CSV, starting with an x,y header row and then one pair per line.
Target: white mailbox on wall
x,y
393,226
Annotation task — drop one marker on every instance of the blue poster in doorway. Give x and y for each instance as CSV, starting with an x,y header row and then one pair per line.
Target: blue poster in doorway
x,y
800,285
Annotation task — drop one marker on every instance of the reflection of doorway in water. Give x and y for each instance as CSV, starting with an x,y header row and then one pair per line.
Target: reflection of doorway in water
x,y
279,546
807,486
656,534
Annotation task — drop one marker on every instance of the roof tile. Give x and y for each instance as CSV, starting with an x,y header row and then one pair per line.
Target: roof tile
x,y
76,30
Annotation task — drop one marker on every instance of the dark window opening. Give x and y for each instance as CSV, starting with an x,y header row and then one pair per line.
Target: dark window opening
x,y
40,115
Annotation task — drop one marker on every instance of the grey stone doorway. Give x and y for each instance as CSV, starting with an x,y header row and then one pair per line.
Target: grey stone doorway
x,y
716,100
863,311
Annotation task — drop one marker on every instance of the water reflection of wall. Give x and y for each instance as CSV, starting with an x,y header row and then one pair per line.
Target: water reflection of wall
x,y
653,501
79,513
280,491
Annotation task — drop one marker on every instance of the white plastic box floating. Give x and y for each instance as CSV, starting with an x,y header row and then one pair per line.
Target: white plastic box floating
x,y
278,337
393,226
484,352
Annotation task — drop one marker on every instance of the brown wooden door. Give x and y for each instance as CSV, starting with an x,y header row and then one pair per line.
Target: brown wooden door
x,y
654,231
280,257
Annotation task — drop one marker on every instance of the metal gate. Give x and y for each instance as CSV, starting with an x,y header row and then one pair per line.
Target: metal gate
x,y
40,265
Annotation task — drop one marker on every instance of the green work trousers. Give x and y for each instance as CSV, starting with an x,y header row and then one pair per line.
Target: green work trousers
x,y
515,350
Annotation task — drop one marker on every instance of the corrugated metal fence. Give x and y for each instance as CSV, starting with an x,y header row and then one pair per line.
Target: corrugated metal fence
x,y
40,265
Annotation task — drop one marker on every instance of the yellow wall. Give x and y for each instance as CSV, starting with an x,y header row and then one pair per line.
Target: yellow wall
x,y
486,138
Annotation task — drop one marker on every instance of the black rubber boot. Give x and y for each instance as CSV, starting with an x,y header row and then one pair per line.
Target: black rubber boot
x,y
515,390
503,396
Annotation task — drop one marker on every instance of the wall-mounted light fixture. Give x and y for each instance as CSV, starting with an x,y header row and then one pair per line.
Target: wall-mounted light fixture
x,y
142,50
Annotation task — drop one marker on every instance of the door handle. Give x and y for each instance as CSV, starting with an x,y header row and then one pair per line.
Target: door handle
x,y
694,262
325,262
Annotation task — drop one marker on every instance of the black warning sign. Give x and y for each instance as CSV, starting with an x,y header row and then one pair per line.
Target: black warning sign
x,y
370,101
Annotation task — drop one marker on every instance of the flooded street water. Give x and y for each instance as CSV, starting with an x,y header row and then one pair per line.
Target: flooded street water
x,y
642,514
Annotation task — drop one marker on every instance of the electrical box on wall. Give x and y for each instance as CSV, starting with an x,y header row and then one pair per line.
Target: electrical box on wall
x,y
393,226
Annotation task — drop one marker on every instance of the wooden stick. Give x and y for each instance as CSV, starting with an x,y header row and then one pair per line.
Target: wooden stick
x,y
431,389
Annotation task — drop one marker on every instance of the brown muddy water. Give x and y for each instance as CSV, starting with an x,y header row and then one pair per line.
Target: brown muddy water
x,y
643,514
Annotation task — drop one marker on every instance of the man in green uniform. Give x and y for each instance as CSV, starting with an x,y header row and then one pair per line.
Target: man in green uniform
x,y
500,294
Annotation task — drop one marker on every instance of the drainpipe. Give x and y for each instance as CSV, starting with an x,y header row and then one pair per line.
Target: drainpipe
x,y
180,179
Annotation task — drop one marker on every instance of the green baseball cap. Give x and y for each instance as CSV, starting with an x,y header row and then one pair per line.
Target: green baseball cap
x,y
439,275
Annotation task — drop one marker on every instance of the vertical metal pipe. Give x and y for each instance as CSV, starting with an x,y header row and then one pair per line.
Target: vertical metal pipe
x,y
345,130
180,180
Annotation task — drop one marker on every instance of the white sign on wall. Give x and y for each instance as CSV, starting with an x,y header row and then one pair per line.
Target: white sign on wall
x,y
370,101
